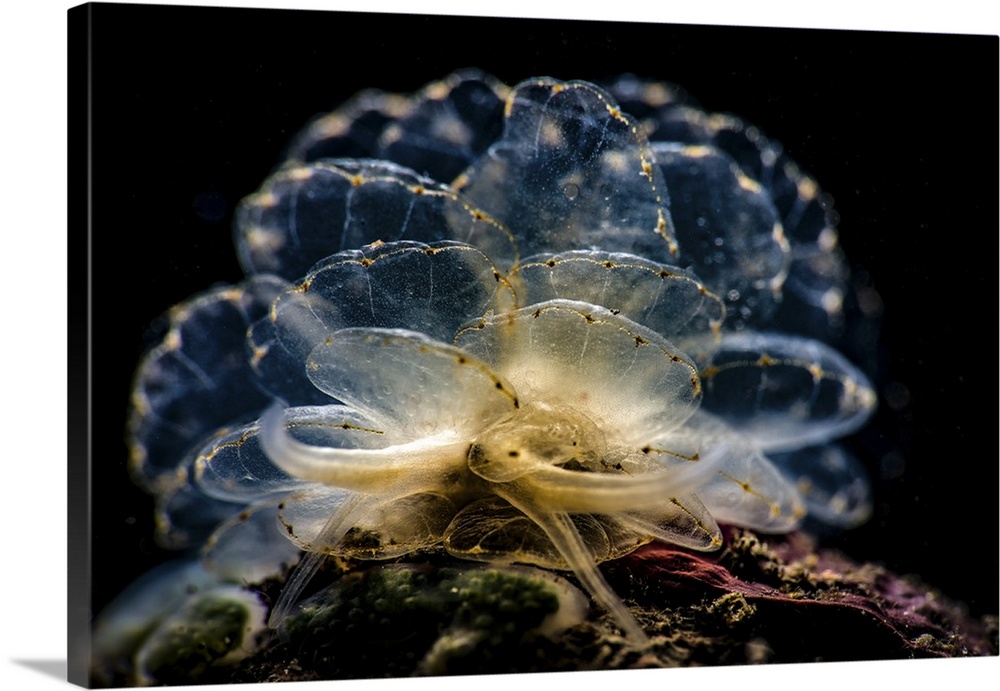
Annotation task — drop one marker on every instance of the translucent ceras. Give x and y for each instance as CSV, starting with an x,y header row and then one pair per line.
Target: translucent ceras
x,y
521,325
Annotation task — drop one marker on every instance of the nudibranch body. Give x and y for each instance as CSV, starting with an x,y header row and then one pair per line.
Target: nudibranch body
x,y
544,324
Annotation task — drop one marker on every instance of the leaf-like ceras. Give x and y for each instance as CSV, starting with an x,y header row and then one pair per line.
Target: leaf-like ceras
x,y
526,364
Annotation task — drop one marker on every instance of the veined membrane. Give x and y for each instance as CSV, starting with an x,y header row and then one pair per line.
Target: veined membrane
x,y
518,324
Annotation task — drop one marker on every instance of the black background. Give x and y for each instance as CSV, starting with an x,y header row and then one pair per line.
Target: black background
x,y
192,107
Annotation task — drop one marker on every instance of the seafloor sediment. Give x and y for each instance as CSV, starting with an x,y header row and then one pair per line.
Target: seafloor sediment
x,y
758,600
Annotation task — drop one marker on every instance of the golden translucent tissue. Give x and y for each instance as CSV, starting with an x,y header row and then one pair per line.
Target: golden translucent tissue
x,y
544,324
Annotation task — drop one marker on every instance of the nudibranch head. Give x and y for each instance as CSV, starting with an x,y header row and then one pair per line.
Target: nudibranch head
x,y
532,329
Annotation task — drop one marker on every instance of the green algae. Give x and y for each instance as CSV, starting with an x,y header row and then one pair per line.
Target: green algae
x,y
404,619
211,629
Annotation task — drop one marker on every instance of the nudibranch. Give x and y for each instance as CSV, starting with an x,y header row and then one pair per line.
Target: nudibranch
x,y
544,324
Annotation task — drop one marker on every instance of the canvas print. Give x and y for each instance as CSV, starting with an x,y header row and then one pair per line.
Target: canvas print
x,y
510,346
